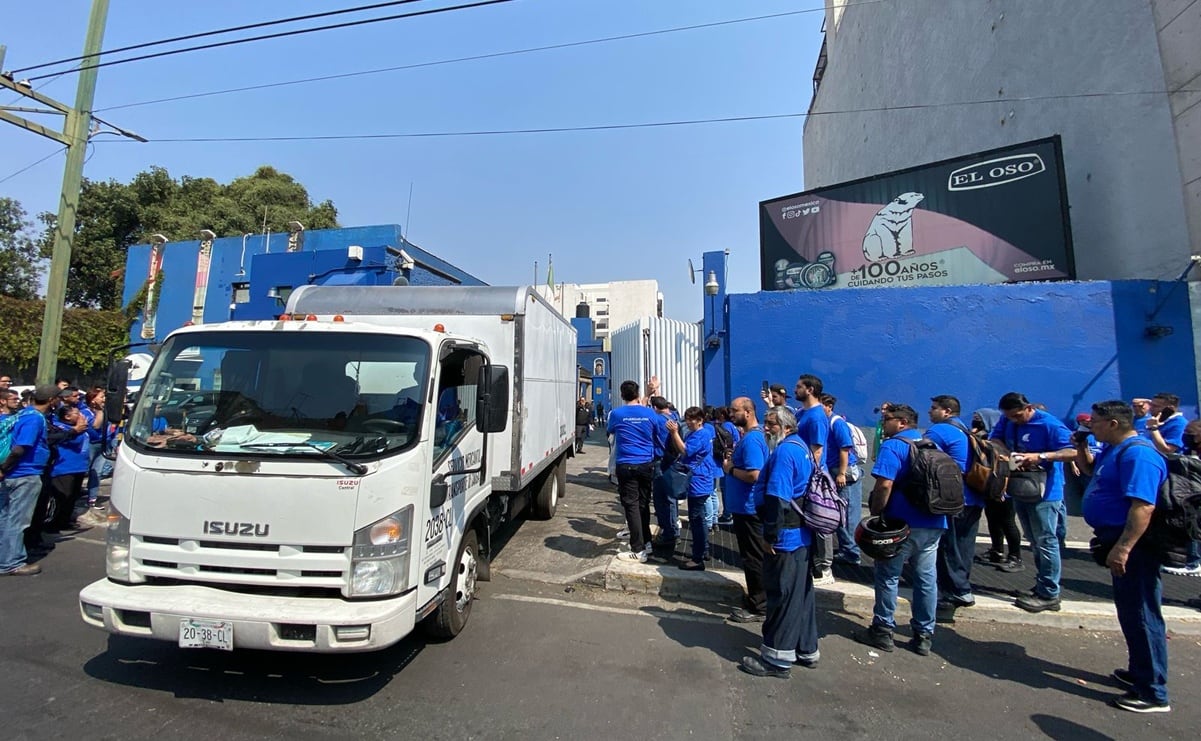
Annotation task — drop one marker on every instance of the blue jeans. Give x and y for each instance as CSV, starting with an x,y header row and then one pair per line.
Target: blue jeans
x,y
18,497
1137,597
1194,554
667,508
922,550
1040,522
712,506
698,523
100,468
847,549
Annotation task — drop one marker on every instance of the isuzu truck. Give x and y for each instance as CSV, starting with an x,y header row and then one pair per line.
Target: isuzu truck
x,y
345,483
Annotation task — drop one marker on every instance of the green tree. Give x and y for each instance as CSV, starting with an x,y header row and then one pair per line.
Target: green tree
x,y
114,216
20,261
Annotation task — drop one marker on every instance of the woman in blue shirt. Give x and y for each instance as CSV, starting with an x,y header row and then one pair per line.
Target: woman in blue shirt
x,y
696,454
70,465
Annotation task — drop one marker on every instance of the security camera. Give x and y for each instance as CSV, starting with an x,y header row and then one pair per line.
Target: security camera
x,y
406,261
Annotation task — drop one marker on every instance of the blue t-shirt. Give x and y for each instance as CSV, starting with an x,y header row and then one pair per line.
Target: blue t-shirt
x,y
662,439
839,439
633,429
953,441
72,452
1042,434
29,432
1132,469
698,457
750,455
1171,431
788,472
95,435
1140,424
732,428
892,462
813,426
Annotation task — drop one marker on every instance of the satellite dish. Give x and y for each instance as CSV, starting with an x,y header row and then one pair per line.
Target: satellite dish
x,y
139,363
691,272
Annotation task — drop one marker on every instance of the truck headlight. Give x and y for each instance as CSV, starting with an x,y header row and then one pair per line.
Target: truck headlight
x,y
116,542
380,564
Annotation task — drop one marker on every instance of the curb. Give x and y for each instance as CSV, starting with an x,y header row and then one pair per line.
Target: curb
x,y
670,582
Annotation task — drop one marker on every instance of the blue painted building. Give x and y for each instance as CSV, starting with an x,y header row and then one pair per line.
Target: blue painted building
x,y
592,358
1064,344
251,277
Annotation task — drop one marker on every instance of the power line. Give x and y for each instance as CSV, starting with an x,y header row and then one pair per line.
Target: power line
x,y
31,165
219,32
473,58
648,124
282,34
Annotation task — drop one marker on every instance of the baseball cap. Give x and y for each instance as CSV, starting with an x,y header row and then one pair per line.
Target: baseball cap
x,y
1083,419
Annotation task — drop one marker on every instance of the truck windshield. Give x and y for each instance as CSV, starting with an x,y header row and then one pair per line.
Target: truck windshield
x,y
283,393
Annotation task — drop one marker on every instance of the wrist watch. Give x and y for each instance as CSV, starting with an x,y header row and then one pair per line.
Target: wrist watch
x,y
1042,457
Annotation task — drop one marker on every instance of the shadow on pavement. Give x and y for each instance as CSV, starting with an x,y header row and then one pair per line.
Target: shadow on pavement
x,y
252,676
577,546
1060,728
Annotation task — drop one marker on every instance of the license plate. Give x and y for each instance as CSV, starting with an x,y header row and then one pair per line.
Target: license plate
x,y
194,633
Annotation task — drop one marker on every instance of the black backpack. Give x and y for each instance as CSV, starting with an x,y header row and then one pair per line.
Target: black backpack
x,y
935,482
723,443
1176,521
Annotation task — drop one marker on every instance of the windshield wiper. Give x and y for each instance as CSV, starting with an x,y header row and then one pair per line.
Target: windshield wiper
x,y
356,468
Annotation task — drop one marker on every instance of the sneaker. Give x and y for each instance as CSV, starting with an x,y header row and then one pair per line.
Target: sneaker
x,y
809,661
622,533
25,569
920,643
1011,566
725,520
876,637
1194,570
825,578
1136,704
755,667
743,615
848,560
691,565
990,558
1035,603
953,601
1123,677
640,556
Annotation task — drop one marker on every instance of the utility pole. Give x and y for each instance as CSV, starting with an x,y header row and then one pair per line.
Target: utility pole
x,y
76,130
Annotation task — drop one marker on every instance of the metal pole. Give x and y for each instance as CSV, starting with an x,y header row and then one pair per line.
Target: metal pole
x,y
79,121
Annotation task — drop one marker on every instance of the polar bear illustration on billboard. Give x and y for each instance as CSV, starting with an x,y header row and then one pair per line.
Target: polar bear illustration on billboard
x,y
890,234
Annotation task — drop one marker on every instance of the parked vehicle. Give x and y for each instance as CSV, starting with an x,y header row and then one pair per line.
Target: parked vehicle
x,y
346,482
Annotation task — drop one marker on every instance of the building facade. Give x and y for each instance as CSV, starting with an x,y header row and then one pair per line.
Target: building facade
x,y
610,305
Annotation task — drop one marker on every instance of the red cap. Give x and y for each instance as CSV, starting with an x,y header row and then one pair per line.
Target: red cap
x,y
1083,419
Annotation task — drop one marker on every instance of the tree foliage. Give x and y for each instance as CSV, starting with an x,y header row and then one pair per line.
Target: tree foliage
x,y
88,335
20,262
114,216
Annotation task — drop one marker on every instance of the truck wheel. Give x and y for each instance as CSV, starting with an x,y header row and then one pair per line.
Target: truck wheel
x,y
546,499
452,614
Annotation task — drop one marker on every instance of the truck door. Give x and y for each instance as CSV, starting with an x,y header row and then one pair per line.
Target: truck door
x,y
458,446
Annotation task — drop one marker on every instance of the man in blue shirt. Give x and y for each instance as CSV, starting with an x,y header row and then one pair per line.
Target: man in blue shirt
x,y
1165,425
921,549
21,482
667,480
696,456
1142,413
813,427
742,472
790,629
958,545
1118,505
633,429
843,465
1040,442
725,417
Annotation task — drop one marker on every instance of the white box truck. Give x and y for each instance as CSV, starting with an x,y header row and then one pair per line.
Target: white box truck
x,y
346,482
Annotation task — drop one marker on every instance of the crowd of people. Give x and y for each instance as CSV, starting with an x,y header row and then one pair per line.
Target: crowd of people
x,y
1114,459
52,439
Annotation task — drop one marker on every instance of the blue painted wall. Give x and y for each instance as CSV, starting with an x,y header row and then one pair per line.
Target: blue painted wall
x,y
589,349
1065,345
323,250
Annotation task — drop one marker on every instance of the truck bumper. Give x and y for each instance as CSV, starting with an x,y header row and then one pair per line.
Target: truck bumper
x,y
259,621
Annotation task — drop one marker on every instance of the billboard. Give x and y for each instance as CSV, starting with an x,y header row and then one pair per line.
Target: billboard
x,y
993,217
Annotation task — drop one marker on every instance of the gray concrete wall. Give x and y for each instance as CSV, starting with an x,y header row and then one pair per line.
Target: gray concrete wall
x,y
1123,170
1178,24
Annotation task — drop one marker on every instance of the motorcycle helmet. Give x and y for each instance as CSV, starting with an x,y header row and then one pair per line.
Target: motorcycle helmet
x,y
880,538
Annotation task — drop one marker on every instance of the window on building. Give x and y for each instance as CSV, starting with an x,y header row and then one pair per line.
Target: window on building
x,y
602,325
241,292
601,300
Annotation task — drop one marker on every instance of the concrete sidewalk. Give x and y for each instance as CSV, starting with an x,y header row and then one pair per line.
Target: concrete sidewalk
x,y
579,545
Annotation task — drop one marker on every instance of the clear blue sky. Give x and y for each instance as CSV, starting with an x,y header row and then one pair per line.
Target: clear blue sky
x,y
610,205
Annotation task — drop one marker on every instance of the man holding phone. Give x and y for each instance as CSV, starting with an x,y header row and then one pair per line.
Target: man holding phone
x,y
1165,426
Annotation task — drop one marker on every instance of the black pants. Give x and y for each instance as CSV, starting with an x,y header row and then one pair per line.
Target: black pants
x,y
748,529
790,630
634,489
581,434
65,491
956,549
1003,527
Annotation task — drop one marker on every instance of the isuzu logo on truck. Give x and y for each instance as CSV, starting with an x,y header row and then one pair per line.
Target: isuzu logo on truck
x,y
244,529
996,172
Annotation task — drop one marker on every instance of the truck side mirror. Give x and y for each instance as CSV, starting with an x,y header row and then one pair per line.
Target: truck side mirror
x,y
492,398
439,491
116,391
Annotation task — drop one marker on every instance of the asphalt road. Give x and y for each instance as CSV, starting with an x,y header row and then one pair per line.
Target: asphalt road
x,y
541,661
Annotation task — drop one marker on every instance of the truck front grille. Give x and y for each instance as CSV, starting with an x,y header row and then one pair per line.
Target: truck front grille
x,y
241,565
